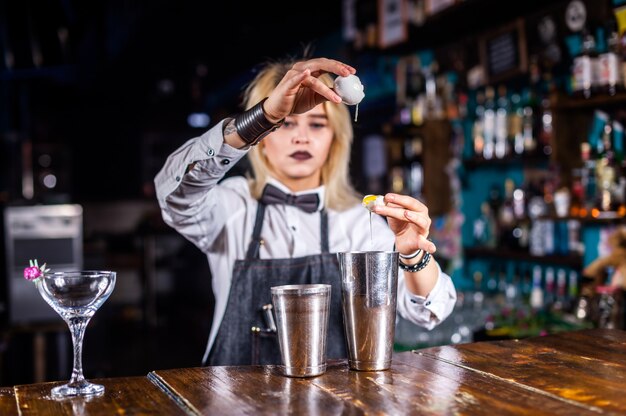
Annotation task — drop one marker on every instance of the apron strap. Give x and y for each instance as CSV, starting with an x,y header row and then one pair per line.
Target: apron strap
x,y
324,230
255,244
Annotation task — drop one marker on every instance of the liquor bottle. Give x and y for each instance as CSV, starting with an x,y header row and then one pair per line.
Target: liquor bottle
x,y
544,137
620,161
574,243
605,175
492,281
550,289
397,163
519,202
561,291
609,63
454,102
478,281
521,232
527,284
506,215
414,175
576,207
513,291
416,88
502,280
583,66
495,200
478,297
588,179
478,130
618,145
403,99
572,286
528,123
489,124
433,108
516,117
501,130
536,293
485,227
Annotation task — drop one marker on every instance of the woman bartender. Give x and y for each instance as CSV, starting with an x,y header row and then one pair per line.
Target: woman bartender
x,y
283,225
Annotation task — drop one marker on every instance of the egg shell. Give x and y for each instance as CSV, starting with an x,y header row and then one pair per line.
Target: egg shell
x,y
349,89
370,201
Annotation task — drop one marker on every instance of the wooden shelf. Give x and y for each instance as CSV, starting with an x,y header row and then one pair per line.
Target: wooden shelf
x,y
467,19
408,130
587,220
565,103
477,162
574,261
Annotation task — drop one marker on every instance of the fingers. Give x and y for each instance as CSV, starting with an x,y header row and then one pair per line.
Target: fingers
x,y
300,89
321,88
319,65
405,208
405,201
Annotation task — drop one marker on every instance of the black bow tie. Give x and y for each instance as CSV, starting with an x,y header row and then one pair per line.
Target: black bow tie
x,y
306,202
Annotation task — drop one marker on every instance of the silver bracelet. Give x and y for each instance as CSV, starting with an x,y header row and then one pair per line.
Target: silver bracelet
x,y
410,256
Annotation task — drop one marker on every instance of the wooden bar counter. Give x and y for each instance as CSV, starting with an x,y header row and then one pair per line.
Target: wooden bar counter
x,y
571,373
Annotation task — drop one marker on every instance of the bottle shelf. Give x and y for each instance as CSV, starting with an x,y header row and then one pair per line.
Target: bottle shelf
x,y
571,260
563,103
611,218
478,162
468,18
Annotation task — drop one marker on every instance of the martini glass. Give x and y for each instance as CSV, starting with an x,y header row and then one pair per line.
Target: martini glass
x,y
76,296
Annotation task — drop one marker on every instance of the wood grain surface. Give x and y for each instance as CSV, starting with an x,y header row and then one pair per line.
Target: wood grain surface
x,y
571,373
122,396
8,405
576,373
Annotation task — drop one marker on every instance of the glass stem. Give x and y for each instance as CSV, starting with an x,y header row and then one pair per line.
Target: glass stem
x,y
77,329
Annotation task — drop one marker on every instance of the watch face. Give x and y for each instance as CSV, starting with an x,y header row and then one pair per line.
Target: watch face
x,y
576,15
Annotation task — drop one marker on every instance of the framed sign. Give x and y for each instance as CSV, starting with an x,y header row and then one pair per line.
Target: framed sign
x,y
503,52
392,23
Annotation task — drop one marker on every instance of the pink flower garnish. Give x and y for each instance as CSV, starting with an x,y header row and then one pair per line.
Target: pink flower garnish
x,y
34,272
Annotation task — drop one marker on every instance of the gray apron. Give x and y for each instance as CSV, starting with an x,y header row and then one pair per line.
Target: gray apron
x,y
235,343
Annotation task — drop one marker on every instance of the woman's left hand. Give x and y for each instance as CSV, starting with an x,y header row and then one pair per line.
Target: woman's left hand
x,y
409,220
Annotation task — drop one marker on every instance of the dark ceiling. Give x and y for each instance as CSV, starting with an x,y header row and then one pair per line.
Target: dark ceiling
x,y
98,81
130,48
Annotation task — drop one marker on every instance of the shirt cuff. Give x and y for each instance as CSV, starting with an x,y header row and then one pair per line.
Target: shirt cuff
x,y
437,303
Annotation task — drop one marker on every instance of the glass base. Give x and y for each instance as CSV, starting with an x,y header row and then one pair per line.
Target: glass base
x,y
83,388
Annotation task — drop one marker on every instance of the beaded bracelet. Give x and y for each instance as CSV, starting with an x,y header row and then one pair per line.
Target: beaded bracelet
x,y
417,266
252,125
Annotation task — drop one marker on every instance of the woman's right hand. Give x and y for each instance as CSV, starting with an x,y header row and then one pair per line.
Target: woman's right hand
x,y
300,90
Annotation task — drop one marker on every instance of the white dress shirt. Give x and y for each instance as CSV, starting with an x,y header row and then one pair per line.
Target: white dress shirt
x,y
219,218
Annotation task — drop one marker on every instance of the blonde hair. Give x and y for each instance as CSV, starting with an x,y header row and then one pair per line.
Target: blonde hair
x,y
340,194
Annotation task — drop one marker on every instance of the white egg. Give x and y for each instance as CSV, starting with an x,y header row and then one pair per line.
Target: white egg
x,y
349,89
